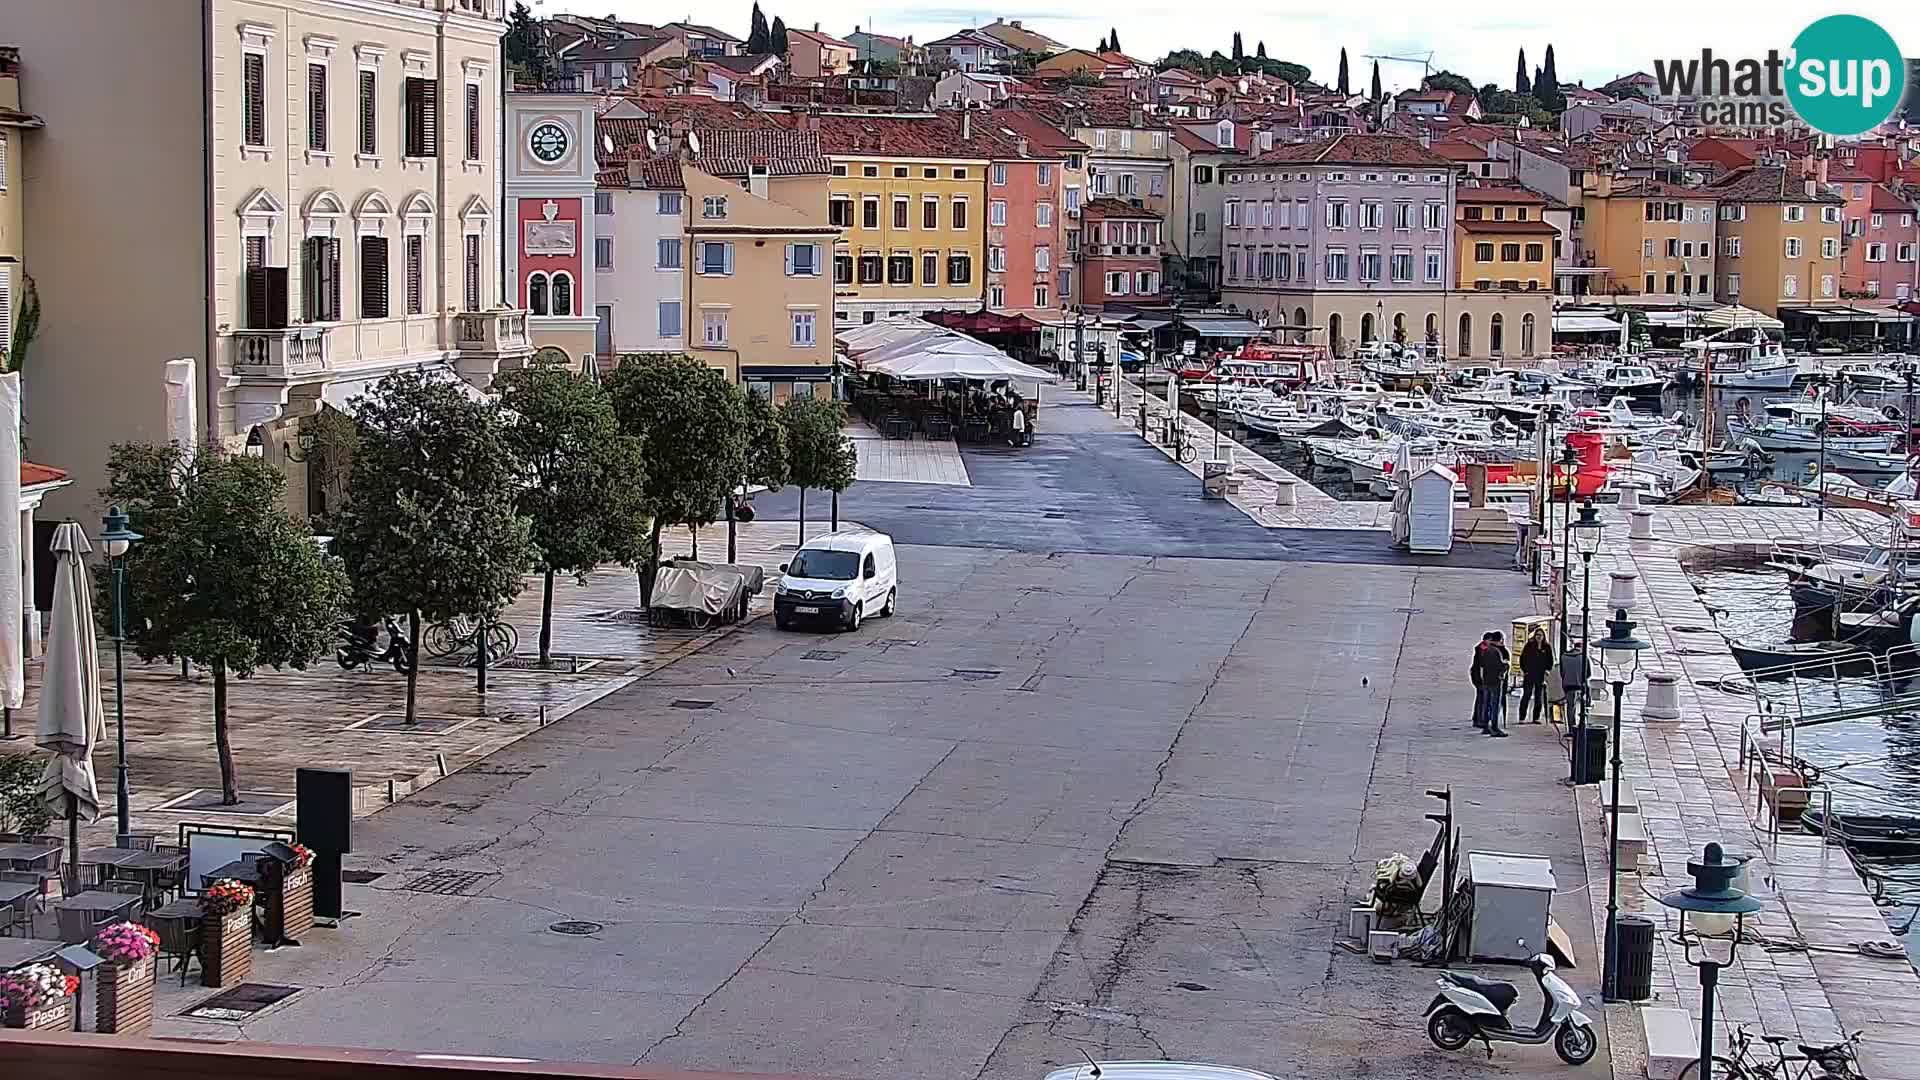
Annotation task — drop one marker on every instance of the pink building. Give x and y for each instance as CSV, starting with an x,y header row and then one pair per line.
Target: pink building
x,y
1120,255
1878,245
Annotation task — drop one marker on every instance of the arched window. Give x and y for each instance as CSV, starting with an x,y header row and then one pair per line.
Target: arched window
x,y
537,293
1433,328
1300,320
1334,340
1496,334
1366,328
562,293
1466,334
1399,328
1526,334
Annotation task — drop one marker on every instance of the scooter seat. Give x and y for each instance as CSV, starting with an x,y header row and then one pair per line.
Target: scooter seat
x,y
1501,995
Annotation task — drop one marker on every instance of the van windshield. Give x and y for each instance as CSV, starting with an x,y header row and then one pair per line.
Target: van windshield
x,y
825,565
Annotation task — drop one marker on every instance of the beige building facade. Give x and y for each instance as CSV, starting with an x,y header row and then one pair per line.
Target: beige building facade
x,y
310,205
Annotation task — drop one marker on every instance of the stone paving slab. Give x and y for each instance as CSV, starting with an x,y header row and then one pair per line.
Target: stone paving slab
x,y
1687,779
918,460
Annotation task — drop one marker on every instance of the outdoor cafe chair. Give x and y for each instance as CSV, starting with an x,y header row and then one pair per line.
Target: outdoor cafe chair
x,y
76,925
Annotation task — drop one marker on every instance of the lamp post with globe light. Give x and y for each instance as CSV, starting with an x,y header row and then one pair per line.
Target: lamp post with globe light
x,y
119,539
1586,533
1620,661
1713,915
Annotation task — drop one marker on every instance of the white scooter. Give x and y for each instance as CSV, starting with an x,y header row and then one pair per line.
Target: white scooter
x,y
1469,1008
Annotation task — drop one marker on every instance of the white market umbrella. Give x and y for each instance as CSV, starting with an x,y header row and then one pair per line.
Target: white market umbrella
x,y
1734,316
13,653
72,721
944,342
990,366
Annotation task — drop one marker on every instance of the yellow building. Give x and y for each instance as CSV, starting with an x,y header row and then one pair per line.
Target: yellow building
x,y
1779,240
757,288
13,250
1503,241
1654,238
909,194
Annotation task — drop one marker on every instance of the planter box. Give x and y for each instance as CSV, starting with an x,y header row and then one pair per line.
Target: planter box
x,y
54,1017
226,948
289,906
125,1002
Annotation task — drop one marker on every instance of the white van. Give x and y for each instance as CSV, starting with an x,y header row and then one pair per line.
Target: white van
x,y
838,578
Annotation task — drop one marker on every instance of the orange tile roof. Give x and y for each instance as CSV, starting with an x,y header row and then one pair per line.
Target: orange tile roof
x,y
1488,226
1354,150
32,474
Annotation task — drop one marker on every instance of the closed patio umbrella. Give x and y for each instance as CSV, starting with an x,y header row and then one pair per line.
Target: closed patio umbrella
x,y
72,721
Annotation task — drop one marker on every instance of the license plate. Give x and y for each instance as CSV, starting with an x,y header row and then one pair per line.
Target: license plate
x,y
806,610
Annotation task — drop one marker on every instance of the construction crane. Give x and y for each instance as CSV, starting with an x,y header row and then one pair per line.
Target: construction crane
x,y
1426,63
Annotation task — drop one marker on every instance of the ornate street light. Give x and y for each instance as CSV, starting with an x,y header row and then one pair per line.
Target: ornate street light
x,y
118,540
1620,661
1586,532
1713,915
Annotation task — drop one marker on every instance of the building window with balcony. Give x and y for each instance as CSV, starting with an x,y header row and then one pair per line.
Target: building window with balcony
x,y
840,212
1483,251
668,255
416,256
713,328
803,327
900,269
669,319
901,212
871,268
716,259
320,278
959,267
422,114
373,277
843,269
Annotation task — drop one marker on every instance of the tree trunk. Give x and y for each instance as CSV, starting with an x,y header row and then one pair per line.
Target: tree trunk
x,y
229,787
546,621
835,526
413,660
649,569
733,553
693,531
803,517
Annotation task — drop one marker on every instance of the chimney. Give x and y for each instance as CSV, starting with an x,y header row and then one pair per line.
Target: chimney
x,y
1135,118
636,170
966,125
1015,24
1813,187
1020,145
1820,169
816,28
757,177
1426,139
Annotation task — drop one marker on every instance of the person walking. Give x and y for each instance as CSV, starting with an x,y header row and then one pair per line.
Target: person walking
x,y
1536,661
1491,665
1019,425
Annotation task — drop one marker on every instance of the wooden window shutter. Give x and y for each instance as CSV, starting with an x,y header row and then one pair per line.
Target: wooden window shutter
x,y
423,117
253,99
373,277
473,121
416,292
369,117
316,106
473,271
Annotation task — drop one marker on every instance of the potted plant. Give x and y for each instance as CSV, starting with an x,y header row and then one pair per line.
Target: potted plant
x,y
37,996
226,936
125,994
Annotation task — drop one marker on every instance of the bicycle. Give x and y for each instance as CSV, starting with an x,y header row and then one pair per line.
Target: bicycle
x,y
455,637
1832,1062
1182,445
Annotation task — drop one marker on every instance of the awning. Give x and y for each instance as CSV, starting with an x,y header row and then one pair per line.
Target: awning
x,y
1584,324
1207,326
933,364
342,394
1148,323
1674,318
1838,313
1733,315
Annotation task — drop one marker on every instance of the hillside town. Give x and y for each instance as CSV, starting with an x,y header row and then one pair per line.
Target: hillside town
x,y
564,546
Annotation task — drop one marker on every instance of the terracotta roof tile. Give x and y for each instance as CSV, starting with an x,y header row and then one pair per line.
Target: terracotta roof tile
x,y
32,473
1769,184
1882,198
1040,135
918,136
1459,150
1486,226
726,152
1499,193
1107,207
1354,150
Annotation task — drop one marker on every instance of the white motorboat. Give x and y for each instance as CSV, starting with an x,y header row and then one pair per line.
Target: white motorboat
x,y
1773,373
1632,380
1861,461
1876,378
1798,425
1743,358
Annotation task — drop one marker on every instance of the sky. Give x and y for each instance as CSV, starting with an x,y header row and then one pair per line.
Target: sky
x,y
1593,41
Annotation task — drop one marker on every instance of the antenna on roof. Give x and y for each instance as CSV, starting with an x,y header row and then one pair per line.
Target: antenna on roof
x,y
653,141
606,143
1083,1050
693,143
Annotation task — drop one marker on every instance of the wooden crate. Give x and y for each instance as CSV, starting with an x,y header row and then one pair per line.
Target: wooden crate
x,y
55,1017
226,948
124,1005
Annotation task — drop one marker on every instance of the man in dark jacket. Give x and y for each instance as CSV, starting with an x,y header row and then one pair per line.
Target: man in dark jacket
x,y
1536,662
1490,664
1479,691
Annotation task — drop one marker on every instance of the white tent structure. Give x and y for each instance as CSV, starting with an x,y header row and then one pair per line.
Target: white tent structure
x,y
913,349
1734,316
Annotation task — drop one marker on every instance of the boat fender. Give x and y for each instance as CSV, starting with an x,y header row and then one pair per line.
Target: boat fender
x,y
1819,427
1891,412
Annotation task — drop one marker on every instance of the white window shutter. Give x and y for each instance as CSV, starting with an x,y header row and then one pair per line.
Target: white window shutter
x,y
819,258
790,248
728,266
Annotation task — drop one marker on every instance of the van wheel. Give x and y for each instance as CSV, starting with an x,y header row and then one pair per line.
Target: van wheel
x,y
853,620
887,612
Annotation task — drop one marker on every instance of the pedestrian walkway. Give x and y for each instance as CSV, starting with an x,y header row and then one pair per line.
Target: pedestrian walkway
x,y
1803,974
918,460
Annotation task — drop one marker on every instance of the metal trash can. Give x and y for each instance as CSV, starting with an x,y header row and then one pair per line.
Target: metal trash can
x,y
1594,768
1633,958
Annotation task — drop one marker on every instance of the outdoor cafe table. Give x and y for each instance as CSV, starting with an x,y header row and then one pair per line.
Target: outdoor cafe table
x,y
99,903
19,952
245,869
107,856
28,856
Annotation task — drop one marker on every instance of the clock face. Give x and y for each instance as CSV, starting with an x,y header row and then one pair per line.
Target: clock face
x,y
548,142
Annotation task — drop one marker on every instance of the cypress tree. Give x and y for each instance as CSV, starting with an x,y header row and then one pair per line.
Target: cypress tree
x,y
777,37
1260,50
1239,51
1343,87
759,38
1113,40
1520,83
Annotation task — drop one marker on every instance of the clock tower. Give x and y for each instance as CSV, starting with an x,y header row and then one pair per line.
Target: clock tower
x,y
551,253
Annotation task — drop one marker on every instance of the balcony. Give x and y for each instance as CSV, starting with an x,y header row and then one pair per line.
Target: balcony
x,y
487,341
292,354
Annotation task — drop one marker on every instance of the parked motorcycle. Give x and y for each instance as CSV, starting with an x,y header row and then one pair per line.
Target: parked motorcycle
x,y
1468,1008
361,646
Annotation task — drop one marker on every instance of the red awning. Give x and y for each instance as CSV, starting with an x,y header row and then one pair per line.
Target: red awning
x,y
983,322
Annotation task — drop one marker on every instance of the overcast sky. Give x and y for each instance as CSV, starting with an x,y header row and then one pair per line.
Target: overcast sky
x,y
1593,41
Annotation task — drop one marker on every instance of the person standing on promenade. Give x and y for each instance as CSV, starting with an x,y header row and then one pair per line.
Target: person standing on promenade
x,y
1474,669
1491,665
1536,660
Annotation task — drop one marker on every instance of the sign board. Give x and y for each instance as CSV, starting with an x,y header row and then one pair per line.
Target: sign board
x,y
1187,347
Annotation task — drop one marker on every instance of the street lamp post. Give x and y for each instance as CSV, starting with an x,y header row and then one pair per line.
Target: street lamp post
x,y
1569,463
118,539
1713,917
1586,539
1620,659
1822,381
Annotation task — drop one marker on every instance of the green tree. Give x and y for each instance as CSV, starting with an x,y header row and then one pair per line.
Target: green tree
x,y
1260,50
1025,62
26,327
820,453
328,438
1547,86
1083,77
1343,88
1102,47
1447,80
1486,94
225,577
690,421
777,37
1521,84
431,527
582,483
525,46
1239,51
1113,40
759,36
1375,95
23,809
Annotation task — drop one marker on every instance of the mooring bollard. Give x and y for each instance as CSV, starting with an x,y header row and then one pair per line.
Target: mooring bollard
x,y
1283,493
1663,697
1642,525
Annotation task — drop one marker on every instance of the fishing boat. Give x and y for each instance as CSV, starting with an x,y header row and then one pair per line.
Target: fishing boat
x,y
1880,836
1743,358
1398,367
1875,581
1799,425
1767,660
1630,380
1861,461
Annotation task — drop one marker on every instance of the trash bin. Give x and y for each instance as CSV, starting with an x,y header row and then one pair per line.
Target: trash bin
x,y
1593,769
1633,958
